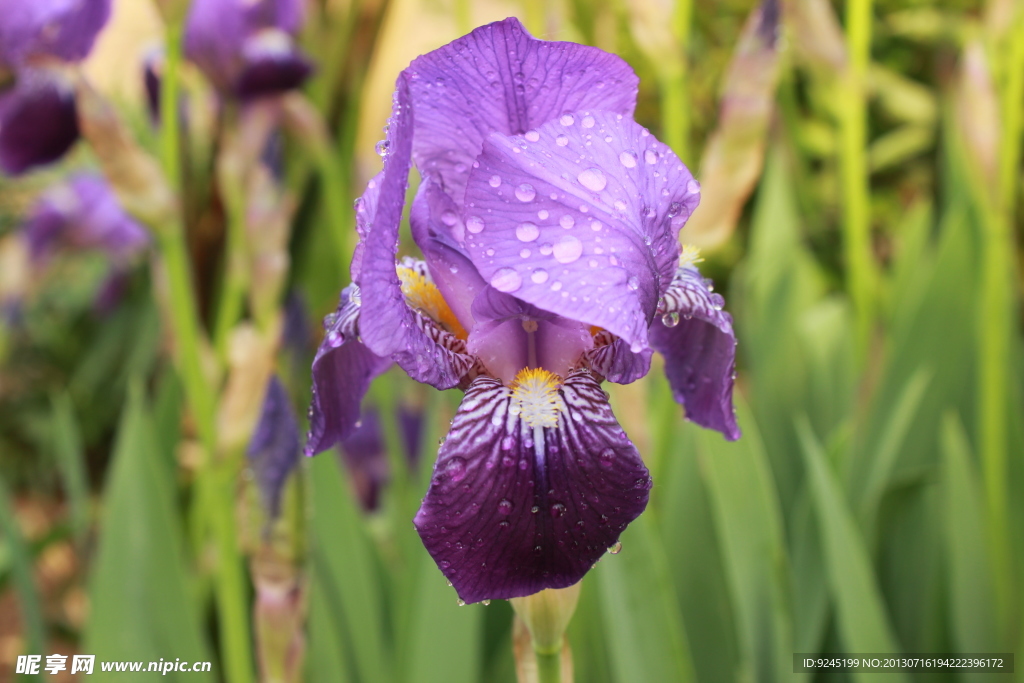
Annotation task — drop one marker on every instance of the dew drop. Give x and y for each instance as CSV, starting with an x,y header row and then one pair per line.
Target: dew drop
x,y
567,120
633,282
539,276
592,179
527,232
596,226
557,510
506,280
543,214
524,253
525,192
670,319
567,250
588,121
546,249
460,602
494,181
555,286
567,221
615,548
651,157
456,469
607,458
562,140
382,148
475,224
505,506
532,135
535,509
692,187
449,218
485,603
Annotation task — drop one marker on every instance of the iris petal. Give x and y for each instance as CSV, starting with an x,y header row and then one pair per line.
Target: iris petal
x,y
513,510
342,371
586,229
66,30
612,359
274,448
499,78
38,121
695,335
271,64
395,330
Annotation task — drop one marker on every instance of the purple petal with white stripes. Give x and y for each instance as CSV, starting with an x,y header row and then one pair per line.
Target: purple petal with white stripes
x,y
342,371
696,338
612,359
580,217
499,78
512,510
274,449
38,121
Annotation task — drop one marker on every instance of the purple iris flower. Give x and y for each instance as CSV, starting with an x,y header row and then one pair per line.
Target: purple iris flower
x,y
83,213
246,47
364,452
274,449
38,122
548,221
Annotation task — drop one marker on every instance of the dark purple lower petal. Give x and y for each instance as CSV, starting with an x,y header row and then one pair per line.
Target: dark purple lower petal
x,y
512,510
695,336
342,371
38,122
272,64
274,448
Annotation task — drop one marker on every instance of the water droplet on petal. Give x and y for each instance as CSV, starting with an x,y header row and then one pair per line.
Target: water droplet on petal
x,y
535,509
532,135
494,181
460,602
485,603
506,280
592,179
596,226
527,232
567,120
525,192
524,253
615,548
382,148
588,121
633,282
607,458
628,159
543,214
651,157
475,224
546,249
505,506
557,510
568,249
692,187
456,469
670,319
567,221
449,218
562,140
539,276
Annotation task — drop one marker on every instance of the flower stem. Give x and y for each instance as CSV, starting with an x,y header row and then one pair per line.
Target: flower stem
x,y
673,81
549,667
854,170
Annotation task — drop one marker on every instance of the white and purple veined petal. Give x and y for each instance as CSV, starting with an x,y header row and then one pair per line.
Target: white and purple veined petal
x,y
274,448
512,510
606,202
342,371
38,120
696,338
499,78
64,29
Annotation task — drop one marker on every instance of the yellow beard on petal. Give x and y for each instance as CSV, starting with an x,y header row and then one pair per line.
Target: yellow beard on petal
x,y
690,255
425,296
535,397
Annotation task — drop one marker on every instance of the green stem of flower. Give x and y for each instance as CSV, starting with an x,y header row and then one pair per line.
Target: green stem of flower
x,y
549,667
236,274
673,82
215,485
853,162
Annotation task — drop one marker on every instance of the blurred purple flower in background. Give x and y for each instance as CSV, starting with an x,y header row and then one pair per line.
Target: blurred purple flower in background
x,y
246,47
274,449
548,220
38,121
364,452
83,213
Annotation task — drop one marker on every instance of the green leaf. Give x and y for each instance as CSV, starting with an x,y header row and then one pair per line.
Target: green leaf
x,y
20,561
644,632
749,523
67,445
860,610
326,657
139,593
343,559
971,596
444,639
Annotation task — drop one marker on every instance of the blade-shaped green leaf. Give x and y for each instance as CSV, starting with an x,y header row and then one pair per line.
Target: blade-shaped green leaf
x,y
141,607
645,635
20,562
67,445
749,523
860,610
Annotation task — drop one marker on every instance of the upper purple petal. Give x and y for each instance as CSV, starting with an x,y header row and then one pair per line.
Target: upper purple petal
x,y
500,79
83,214
65,29
366,212
513,510
342,371
215,31
422,349
695,335
38,121
274,448
580,217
